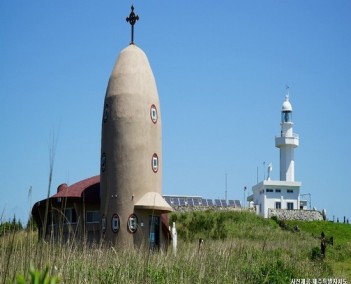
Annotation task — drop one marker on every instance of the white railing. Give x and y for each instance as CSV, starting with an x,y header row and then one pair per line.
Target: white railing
x,y
287,136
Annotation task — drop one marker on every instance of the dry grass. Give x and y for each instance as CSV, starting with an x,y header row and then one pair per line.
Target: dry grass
x,y
238,248
228,261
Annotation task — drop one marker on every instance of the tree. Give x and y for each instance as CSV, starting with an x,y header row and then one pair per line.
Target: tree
x,y
31,224
11,226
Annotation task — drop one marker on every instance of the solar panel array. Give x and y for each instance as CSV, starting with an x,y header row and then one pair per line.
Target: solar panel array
x,y
200,202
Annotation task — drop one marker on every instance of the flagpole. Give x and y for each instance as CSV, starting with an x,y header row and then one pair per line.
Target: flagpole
x,y
244,197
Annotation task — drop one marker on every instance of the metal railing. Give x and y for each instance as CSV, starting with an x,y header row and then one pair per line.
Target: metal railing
x,y
294,135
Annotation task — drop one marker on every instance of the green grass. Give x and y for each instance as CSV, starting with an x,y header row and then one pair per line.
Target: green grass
x,y
238,247
341,232
340,251
244,226
222,225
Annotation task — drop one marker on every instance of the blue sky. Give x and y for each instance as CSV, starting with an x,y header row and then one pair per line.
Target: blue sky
x,y
221,69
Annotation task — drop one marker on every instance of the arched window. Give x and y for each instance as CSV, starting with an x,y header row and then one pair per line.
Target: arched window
x,y
115,223
106,113
154,163
132,224
103,162
153,114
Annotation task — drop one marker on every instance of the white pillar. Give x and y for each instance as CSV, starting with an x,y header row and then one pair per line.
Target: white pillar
x,y
287,142
174,239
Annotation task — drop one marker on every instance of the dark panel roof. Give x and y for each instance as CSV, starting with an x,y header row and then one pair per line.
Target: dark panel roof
x,y
76,189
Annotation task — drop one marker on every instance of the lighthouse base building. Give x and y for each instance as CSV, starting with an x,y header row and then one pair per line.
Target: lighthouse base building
x,y
275,194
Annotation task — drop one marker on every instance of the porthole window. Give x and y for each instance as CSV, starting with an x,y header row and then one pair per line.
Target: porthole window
x,y
103,162
103,223
115,223
132,223
154,163
106,112
153,113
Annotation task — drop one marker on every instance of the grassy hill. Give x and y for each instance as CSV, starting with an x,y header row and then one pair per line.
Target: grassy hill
x,y
339,250
339,231
289,248
238,247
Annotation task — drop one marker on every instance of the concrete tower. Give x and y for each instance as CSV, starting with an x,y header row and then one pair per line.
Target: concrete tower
x,y
287,142
131,153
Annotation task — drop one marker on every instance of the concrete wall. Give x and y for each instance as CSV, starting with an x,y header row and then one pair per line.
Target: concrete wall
x,y
303,215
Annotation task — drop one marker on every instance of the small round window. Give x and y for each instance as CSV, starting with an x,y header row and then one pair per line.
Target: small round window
x,y
153,113
103,162
132,223
154,163
115,223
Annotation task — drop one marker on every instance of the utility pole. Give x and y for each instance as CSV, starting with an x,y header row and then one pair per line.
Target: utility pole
x,y
226,188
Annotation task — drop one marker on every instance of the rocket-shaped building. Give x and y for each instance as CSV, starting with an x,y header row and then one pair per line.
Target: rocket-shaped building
x,y
131,154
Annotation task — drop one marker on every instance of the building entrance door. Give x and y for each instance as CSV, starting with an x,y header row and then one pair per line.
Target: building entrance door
x,y
154,232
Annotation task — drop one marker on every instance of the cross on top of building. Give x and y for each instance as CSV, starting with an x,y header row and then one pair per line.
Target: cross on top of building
x,y
132,20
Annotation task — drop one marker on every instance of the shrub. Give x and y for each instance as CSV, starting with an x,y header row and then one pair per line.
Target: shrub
x,y
37,277
316,253
274,218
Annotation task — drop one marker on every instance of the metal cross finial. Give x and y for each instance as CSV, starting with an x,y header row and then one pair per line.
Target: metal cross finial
x,y
132,20
287,91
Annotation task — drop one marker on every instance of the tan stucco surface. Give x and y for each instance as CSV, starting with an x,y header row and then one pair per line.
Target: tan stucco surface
x,y
129,140
153,201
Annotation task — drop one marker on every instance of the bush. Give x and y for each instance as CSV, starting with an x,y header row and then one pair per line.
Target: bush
x,y
316,253
37,277
274,218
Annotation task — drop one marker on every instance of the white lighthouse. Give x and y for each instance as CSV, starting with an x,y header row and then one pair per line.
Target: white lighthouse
x,y
287,142
270,196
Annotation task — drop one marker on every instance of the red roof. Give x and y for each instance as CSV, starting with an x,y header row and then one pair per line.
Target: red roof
x,y
76,189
